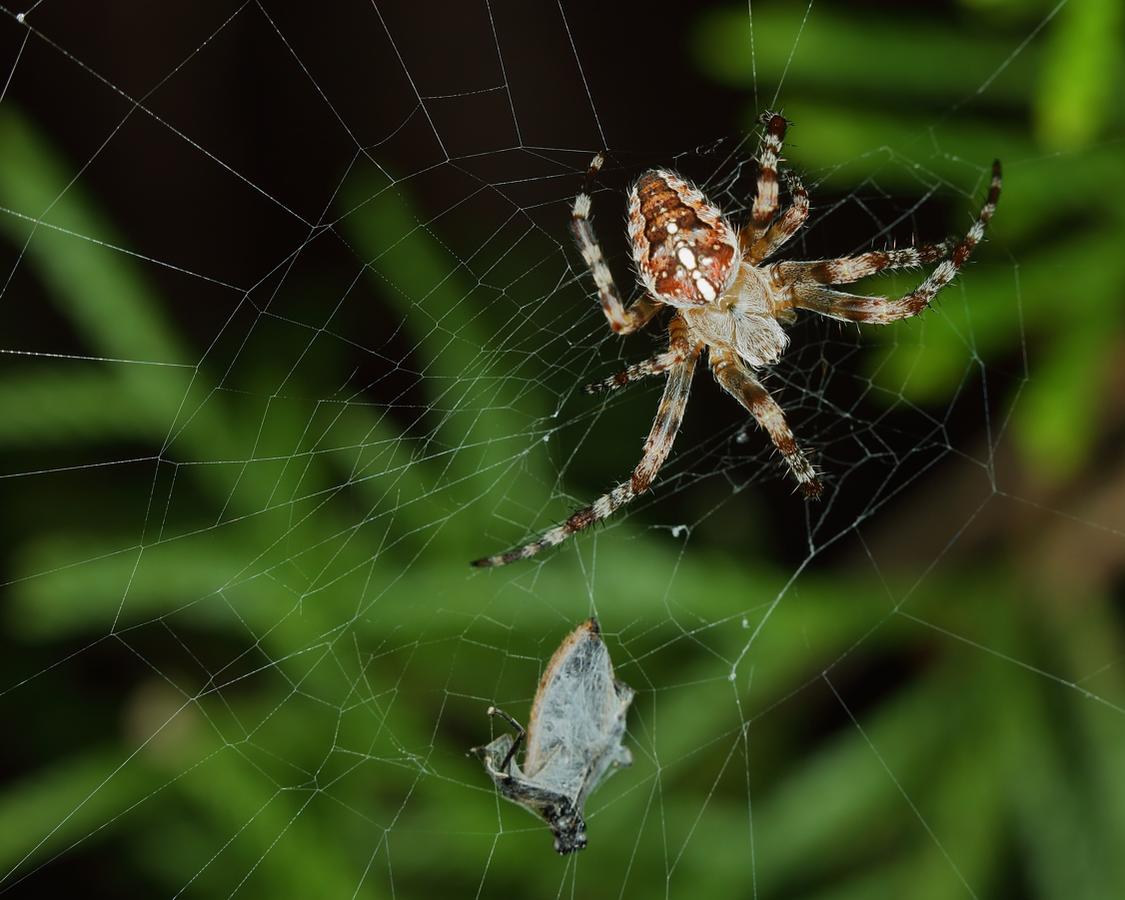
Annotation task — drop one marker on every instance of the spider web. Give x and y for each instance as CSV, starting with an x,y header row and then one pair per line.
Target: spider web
x,y
293,329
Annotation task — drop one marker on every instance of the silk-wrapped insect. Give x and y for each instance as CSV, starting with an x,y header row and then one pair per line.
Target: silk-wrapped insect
x,y
573,738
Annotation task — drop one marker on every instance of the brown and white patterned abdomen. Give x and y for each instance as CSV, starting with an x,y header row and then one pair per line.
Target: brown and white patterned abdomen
x,y
685,251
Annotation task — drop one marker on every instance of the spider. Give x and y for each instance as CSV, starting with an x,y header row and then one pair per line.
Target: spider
x,y
731,302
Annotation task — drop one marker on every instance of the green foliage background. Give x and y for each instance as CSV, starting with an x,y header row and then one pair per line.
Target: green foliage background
x,y
942,718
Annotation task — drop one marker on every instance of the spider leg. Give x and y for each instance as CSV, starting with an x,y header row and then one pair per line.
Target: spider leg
x,y
520,735
621,320
657,447
654,365
765,200
847,269
880,310
782,229
747,390
678,350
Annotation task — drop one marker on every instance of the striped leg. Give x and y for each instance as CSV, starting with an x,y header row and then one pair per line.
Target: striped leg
x,y
621,320
678,350
765,201
847,269
781,230
746,389
880,310
654,365
657,448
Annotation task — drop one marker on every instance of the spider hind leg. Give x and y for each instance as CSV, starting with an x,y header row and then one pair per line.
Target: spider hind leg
x,y
766,199
782,229
622,319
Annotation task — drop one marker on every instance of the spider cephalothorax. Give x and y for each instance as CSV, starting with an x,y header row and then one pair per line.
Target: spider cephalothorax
x,y
730,301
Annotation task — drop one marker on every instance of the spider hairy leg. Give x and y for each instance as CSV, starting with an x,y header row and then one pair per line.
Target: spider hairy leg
x,y
847,269
765,203
881,310
654,365
736,379
765,200
782,229
657,447
676,353
621,320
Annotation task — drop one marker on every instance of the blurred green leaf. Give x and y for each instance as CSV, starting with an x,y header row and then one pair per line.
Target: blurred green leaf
x,y
1077,94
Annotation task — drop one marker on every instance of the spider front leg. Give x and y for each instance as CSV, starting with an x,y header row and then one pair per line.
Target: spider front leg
x,y
654,365
657,447
747,390
621,320
678,350
811,295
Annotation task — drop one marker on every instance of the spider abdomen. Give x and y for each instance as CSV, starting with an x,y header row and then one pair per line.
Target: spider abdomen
x,y
685,251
